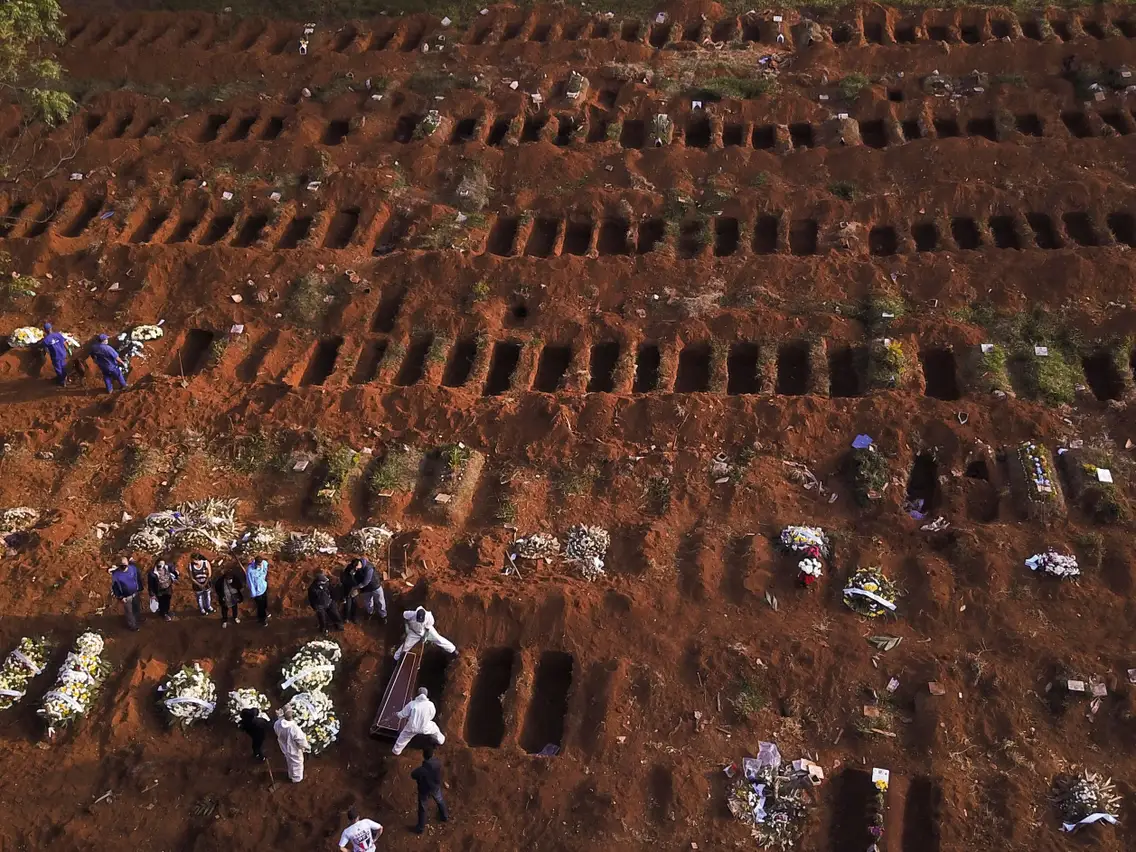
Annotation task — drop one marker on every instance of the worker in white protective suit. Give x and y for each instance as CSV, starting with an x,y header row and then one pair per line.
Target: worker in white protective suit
x,y
419,627
293,743
419,715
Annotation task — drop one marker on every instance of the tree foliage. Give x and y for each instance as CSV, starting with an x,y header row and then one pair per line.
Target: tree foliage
x,y
25,25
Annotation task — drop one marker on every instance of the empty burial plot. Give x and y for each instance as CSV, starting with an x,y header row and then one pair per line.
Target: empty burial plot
x,y
465,130
1123,227
213,125
1005,232
12,217
185,227
983,127
911,130
218,228
296,232
601,366
336,132
693,373
764,137
414,364
612,237
502,365
544,721
923,483
873,134
87,212
727,234
965,233
691,238
803,235
883,240
578,237
801,135
368,364
533,127
940,373
150,225
193,354
698,133
921,816
794,372
742,375
633,134
651,233
389,307
1080,228
853,798
39,225
647,364
1077,123
499,131
251,231
1029,124
845,376
765,234
1044,232
322,363
503,236
342,228
542,238
272,129
1104,378
459,367
551,368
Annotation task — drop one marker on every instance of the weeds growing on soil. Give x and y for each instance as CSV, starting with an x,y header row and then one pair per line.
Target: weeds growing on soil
x,y
742,88
852,85
141,460
396,472
306,303
748,699
258,453
868,472
844,190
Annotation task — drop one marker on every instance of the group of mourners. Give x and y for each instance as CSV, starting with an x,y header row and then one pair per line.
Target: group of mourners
x,y
360,591
105,356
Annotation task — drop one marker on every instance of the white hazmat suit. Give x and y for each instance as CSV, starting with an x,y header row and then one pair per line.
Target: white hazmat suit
x,y
416,631
419,715
293,743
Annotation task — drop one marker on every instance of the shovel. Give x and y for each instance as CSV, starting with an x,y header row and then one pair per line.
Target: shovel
x,y
271,779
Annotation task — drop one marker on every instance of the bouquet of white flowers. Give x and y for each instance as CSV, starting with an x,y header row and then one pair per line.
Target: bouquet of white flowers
x,y
188,695
28,335
242,699
870,593
368,540
1054,564
309,544
18,519
20,666
260,540
313,712
80,678
805,539
312,667
142,333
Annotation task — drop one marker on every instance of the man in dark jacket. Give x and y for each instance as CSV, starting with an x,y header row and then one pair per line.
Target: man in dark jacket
x,y
364,587
126,585
320,600
257,727
428,777
230,590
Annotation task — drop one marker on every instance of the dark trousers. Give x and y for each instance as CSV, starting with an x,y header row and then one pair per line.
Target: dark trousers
x,y
261,608
164,605
133,610
328,616
257,743
423,801
226,609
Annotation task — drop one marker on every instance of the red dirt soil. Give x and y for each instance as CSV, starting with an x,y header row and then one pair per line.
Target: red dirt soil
x,y
578,434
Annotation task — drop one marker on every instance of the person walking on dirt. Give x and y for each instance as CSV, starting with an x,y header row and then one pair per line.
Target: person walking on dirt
x,y
361,835
257,727
293,743
161,581
126,586
230,588
419,714
321,601
365,588
428,777
420,627
56,346
256,578
200,573
109,362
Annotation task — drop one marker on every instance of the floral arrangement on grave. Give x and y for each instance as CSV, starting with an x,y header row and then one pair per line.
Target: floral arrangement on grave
x,y
77,685
244,698
1039,476
25,662
767,796
188,695
587,547
812,545
870,593
316,717
537,546
1053,564
877,808
312,667
1084,799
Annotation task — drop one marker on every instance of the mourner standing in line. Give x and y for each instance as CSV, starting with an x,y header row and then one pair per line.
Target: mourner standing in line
x,y
428,777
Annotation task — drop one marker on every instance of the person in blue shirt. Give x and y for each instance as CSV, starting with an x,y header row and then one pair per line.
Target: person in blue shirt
x,y
56,346
126,586
256,578
109,361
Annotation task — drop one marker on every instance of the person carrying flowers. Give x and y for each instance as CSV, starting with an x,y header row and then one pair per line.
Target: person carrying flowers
x,y
126,585
161,581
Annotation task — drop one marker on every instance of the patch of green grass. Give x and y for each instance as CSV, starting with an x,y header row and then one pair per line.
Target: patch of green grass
x,y
1052,378
480,291
1018,80
1090,547
257,453
879,310
887,363
658,494
141,461
397,471
340,462
853,84
868,472
742,88
759,180
993,370
747,699
439,346
455,457
506,511
306,305
844,190
574,481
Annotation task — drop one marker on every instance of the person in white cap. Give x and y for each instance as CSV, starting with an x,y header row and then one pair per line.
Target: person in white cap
x,y
419,627
293,742
419,714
